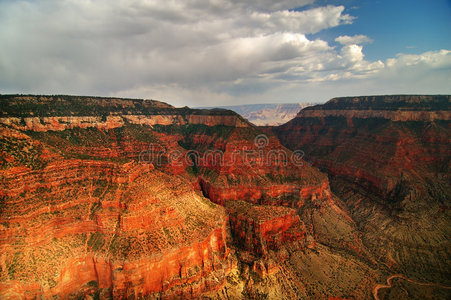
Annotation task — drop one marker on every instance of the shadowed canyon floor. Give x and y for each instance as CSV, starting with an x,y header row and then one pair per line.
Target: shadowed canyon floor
x,y
123,198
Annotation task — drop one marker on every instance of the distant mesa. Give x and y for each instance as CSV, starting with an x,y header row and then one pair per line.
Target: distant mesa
x,y
393,107
270,114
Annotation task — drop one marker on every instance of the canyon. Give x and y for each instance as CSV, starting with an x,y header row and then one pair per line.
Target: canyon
x,y
388,160
124,198
270,114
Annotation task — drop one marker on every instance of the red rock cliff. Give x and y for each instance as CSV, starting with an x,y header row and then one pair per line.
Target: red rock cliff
x,y
81,227
388,158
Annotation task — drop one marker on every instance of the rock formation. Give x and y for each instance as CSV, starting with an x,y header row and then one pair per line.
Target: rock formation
x,y
94,201
124,198
270,114
388,158
82,227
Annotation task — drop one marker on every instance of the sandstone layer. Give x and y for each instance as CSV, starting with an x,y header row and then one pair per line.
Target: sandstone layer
x,y
388,158
148,200
80,227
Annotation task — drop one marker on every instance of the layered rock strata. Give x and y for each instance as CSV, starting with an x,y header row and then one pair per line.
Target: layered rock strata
x,y
80,227
123,191
388,158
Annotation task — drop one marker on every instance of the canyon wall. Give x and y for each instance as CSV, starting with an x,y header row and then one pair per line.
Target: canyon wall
x,y
80,227
148,200
84,214
110,122
270,114
425,116
388,158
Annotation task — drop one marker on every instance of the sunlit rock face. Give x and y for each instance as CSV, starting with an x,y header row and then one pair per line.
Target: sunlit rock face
x,y
388,158
81,215
79,227
124,198
88,210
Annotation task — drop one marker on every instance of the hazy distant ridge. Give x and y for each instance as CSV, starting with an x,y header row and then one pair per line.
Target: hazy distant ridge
x,y
268,114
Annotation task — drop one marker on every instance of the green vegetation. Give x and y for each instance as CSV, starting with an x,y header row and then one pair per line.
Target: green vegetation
x,y
390,102
77,137
20,152
15,265
167,232
64,105
283,178
208,202
211,174
92,143
94,208
93,283
96,241
119,246
137,132
187,131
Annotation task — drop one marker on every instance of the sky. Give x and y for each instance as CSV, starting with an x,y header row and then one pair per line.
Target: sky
x,y
225,52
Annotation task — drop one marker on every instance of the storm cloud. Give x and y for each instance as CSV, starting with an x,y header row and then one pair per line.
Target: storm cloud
x,y
197,52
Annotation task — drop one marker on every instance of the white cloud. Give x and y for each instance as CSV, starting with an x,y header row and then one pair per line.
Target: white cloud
x,y
353,60
352,53
308,21
430,60
429,72
355,39
191,51
426,73
271,5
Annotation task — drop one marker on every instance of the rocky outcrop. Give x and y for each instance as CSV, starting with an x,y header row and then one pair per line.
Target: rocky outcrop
x,y
50,113
122,198
270,114
388,159
217,120
63,105
19,180
388,103
288,195
237,167
110,122
80,227
423,108
375,151
259,229
425,116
